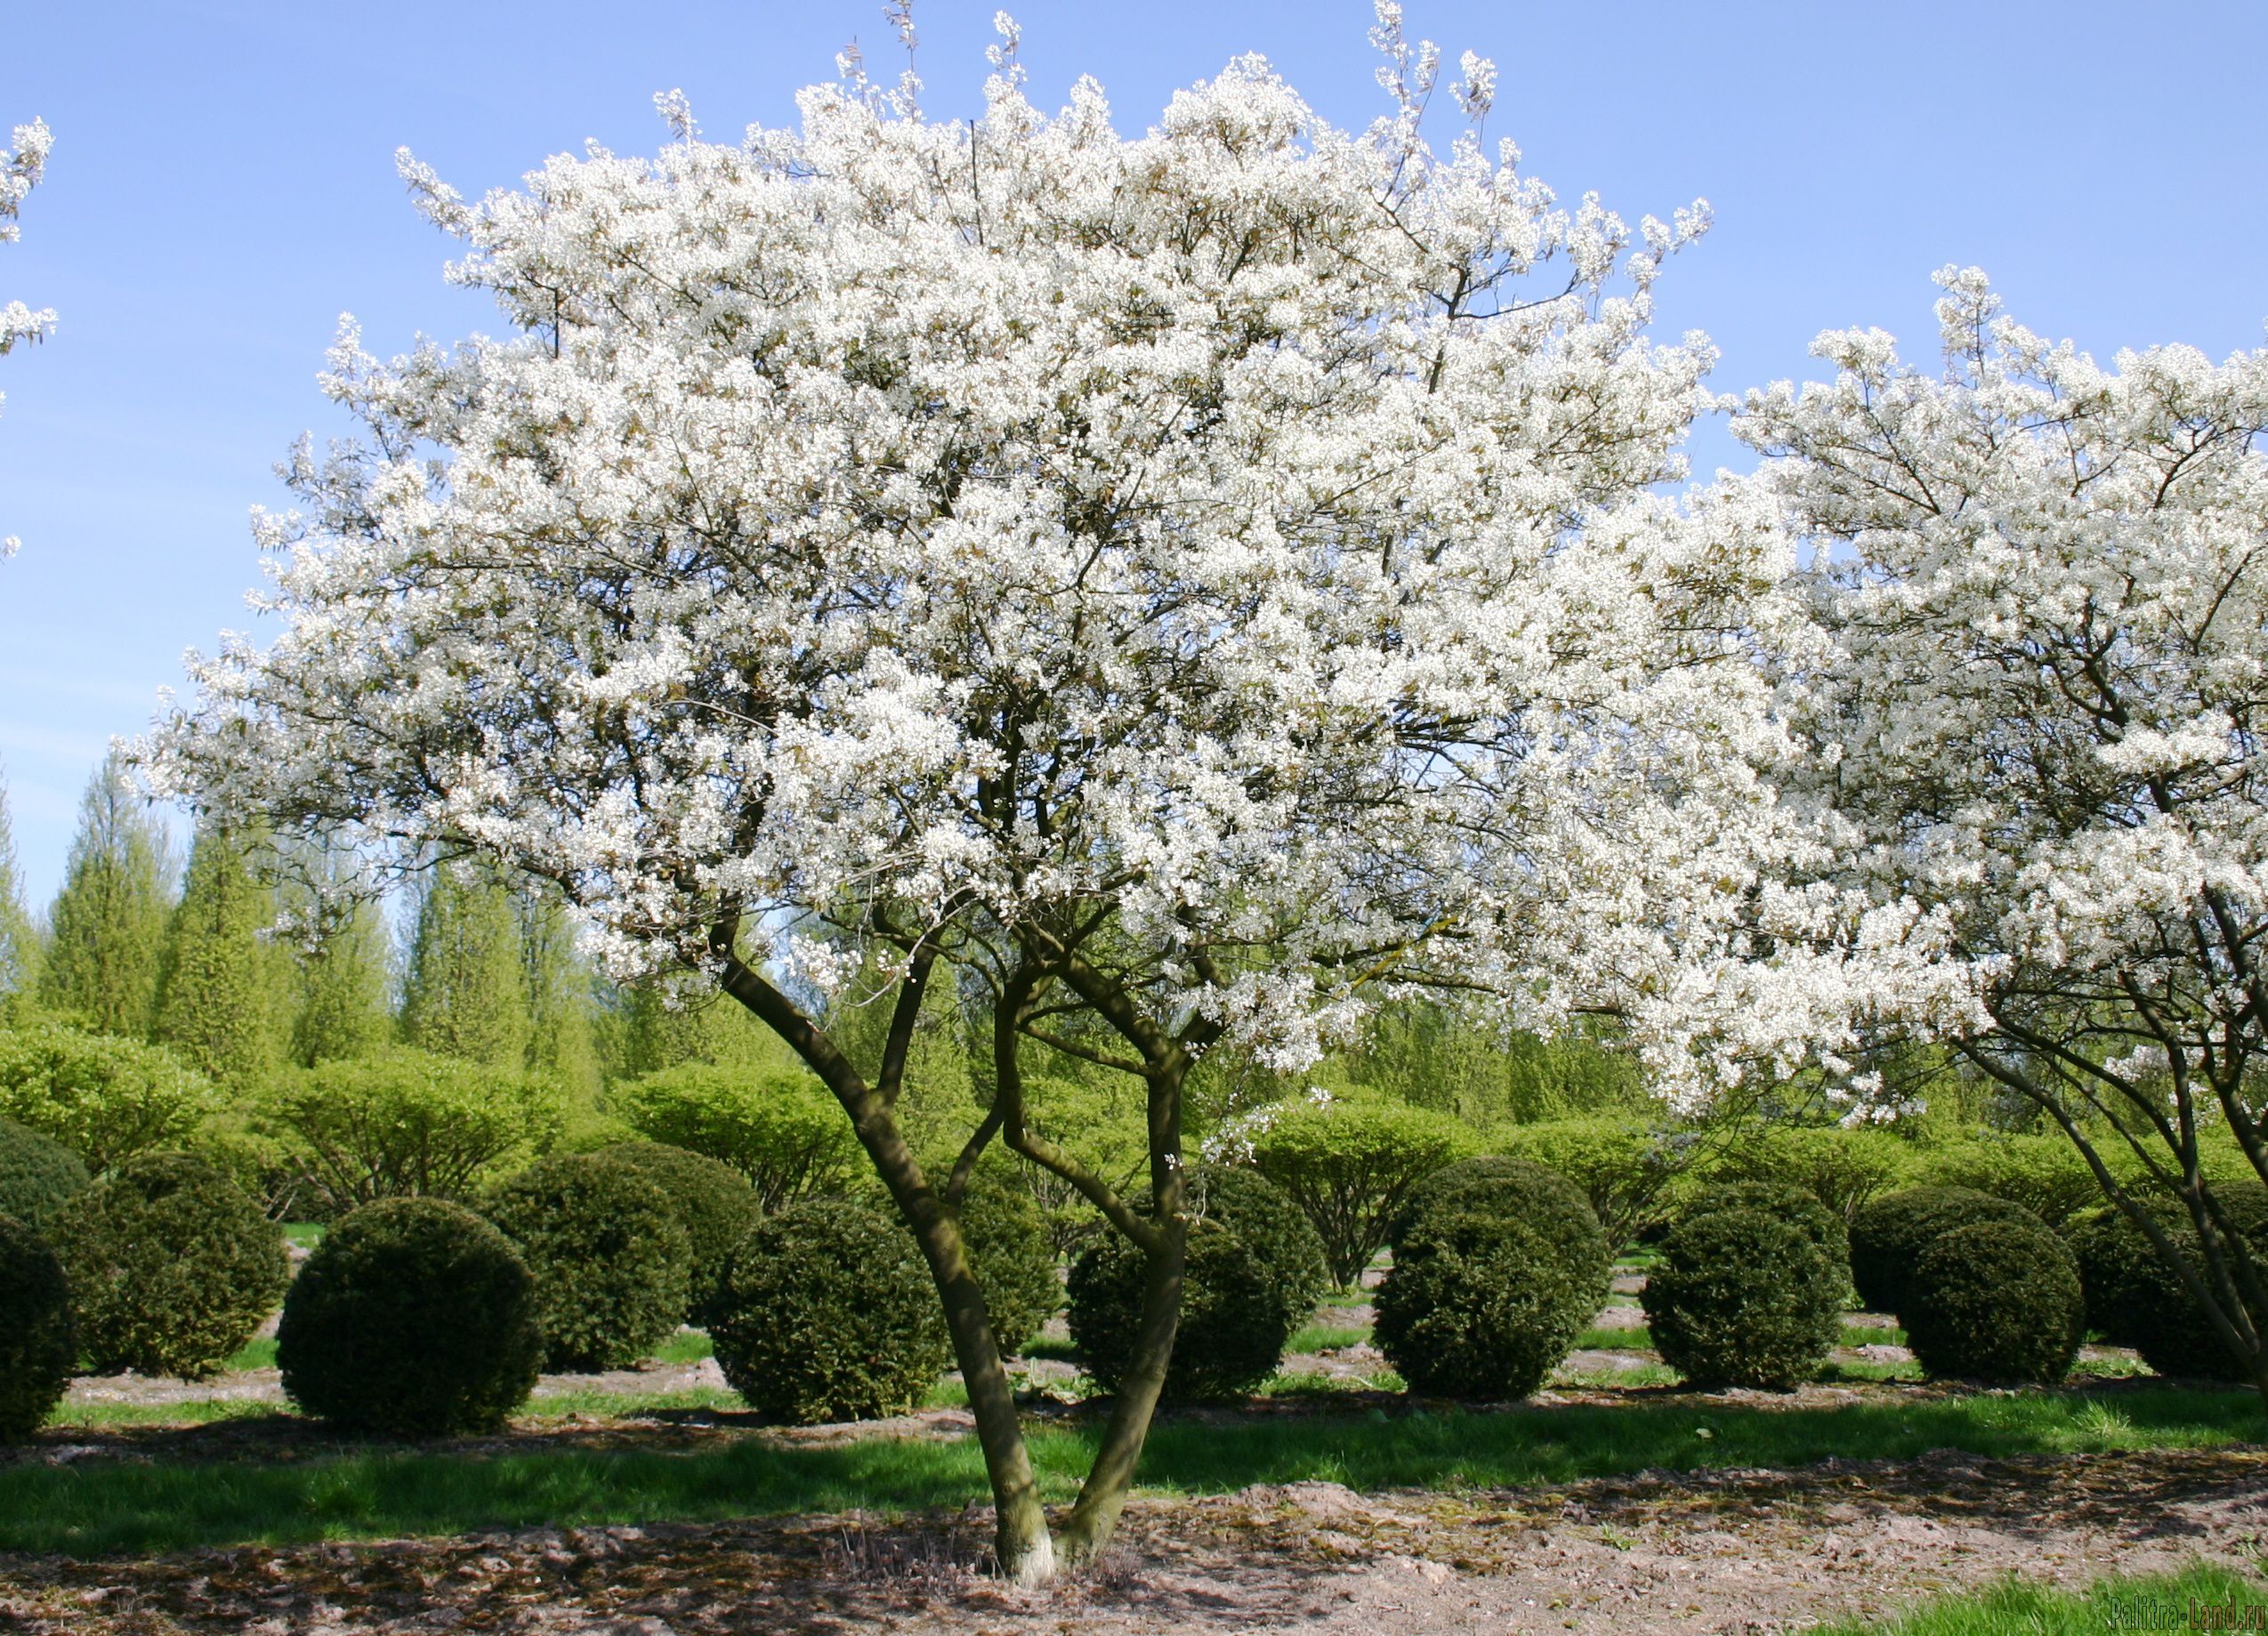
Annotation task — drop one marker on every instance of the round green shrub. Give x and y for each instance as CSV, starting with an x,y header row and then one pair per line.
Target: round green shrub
x,y
1888,1235
171,1266
1481,1306
2115,1261
1517,1190
1742,1296
2134,1299
36,1343
38,1176
1235,1316
1995,1301
413,1318
1012,1255
610,1263
1783,1201
713,1203
828,1314
1271,1225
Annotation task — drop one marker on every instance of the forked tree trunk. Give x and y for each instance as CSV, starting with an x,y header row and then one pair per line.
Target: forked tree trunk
x,y
1022,1544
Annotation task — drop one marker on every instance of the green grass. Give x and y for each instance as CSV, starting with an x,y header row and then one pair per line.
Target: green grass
x,y
256,1354
1326,1337
103,1507
686,1346
306,1234
1638,1340
2160,1602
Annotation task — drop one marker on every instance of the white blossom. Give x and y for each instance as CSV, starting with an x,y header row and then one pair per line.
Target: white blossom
x,y
2045,581
1243,537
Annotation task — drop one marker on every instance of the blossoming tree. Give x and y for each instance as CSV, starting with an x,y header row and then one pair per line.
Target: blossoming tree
x,y
2048,584
20,173
1182,585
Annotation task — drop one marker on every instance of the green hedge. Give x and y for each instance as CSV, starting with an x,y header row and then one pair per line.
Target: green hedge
x,y
171,1266
38,1176
1350,1164
713,1203
2136,1299
1012,1255
828,1314
409,1125
1483,1306
1889,1234
1516,1190
1743,1295
1234,1319
413,1318
784,1132
1995,1301
103,1097
611,1263
36,1347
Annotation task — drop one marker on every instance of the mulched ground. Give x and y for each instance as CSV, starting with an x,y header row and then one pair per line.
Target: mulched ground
x,y
1724,1552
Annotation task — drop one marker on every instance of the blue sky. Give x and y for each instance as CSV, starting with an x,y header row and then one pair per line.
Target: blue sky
x,y
222,188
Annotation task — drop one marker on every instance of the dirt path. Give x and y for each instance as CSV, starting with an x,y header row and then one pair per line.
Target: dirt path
x,y
1732,1551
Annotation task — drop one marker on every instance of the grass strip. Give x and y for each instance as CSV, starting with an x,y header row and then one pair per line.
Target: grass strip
x,y
2203,1598
98,1508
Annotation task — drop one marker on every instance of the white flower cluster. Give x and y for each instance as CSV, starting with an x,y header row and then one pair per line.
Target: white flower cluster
x,y
2046,584
20,173
1232,554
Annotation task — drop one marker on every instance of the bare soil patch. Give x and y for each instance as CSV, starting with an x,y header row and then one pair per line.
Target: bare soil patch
x,y
1725,1551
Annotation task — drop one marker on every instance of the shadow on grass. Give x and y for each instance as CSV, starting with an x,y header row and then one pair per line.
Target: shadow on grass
x,y
99,1507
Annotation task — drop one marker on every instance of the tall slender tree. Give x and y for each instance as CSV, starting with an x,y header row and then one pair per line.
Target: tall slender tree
x,y
466,990
19,940
342,983
106,929
217,991
562,1041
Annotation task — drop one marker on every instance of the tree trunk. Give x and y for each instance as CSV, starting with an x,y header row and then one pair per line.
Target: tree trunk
x,y
1022,1544
1103,1495
1088,1529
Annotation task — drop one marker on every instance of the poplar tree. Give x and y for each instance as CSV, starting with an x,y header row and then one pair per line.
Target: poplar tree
x,y
106,929
467,992
342,981
19,932
562,1041
217,996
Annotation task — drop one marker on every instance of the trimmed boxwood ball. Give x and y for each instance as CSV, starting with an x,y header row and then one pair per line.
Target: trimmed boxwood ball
x,y
828,1314
2134,1299
1235,1317
36,1344
715,1203
413,1318
1481,1307
1888,1235
38,1175
2115,1261
1784,1201
1995,1301
1516,1190
1271,1225
1012,1256
609,1261
1743,1297
171,1266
